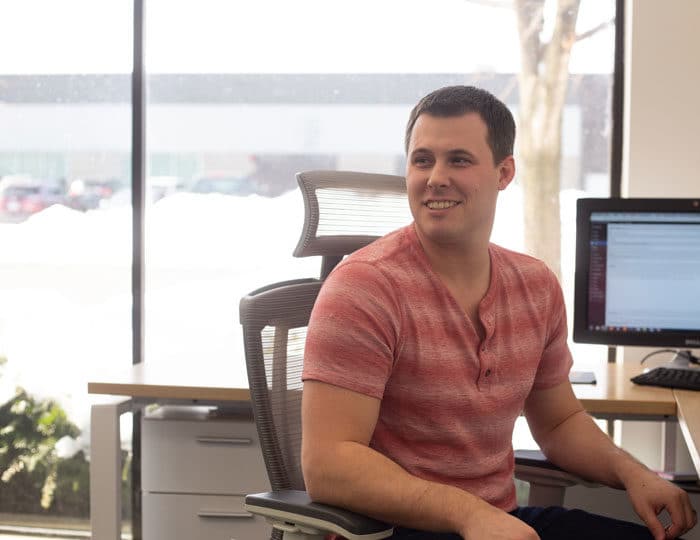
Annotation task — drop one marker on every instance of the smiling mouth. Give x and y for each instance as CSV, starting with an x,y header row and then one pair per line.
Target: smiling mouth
x,y
440,205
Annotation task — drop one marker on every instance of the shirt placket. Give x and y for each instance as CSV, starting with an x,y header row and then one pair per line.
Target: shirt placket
x,y
486,354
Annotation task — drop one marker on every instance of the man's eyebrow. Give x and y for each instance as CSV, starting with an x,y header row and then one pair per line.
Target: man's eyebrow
x,y
452,152
461,152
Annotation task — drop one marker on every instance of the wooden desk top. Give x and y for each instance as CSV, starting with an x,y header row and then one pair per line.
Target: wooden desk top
x,y
198,382
615,394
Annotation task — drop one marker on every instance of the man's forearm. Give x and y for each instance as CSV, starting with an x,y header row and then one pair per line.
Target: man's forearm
x,y
579,446
358,478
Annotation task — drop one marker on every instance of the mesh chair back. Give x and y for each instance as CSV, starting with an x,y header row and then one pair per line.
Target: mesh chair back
x,y
343,212
346,210
274,321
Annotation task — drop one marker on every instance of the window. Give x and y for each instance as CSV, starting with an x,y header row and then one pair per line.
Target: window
x,y
255,92
65,291
241,95
239,101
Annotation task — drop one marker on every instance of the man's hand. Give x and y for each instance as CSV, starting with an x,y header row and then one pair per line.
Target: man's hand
x,y
491,523
650,495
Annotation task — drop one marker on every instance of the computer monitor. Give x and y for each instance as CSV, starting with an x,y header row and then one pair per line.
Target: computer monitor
x,y
637,276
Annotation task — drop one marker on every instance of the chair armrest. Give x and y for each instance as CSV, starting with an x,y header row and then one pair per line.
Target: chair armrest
x,y
293,511
548,482
532,466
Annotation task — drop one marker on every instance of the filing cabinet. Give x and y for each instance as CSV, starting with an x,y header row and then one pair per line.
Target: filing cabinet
x,y
197,465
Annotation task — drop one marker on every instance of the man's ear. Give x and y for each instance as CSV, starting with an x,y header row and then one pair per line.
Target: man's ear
x,y
506,171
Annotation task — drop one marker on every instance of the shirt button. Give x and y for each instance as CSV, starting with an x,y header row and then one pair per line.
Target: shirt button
x,y
487,372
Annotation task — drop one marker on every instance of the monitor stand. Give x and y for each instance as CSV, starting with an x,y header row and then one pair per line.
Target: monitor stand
x,y
683,360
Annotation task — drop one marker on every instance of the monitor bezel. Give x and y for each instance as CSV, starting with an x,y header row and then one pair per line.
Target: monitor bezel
x,y
581,332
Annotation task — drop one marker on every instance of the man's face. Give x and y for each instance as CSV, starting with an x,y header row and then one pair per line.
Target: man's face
x,y
452,181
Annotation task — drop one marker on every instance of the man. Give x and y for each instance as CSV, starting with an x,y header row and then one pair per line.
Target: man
x,y
424,347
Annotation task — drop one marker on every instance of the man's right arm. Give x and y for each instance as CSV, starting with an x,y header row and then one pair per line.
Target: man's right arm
x,y
342,470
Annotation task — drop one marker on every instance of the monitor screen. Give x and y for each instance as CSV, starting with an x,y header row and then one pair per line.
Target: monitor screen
x,y
638,272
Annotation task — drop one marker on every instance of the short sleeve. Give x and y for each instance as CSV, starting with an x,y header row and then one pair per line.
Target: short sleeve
x,y
353,331
556,358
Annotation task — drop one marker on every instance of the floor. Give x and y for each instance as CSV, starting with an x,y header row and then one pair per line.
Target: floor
x,y
37,533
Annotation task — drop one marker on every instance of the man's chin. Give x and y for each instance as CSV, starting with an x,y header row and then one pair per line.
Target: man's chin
x,y
440,236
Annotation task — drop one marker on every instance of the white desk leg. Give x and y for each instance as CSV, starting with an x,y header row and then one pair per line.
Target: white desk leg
x,y
105,469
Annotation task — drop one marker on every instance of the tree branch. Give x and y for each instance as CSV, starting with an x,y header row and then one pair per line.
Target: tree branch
x,y
594,30
530,18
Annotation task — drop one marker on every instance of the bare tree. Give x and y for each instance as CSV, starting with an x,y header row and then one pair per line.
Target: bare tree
x,y
543,82
543,78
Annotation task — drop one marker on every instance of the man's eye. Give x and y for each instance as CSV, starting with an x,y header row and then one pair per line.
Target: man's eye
x,y
421,161
461,161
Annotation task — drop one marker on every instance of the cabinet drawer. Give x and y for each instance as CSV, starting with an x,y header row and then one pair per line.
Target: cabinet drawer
x,y
195,517
211,456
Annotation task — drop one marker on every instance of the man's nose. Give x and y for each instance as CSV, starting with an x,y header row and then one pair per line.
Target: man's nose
x,y
439,177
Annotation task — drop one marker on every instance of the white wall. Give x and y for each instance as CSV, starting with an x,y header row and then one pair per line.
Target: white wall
x,y
661,155
662,101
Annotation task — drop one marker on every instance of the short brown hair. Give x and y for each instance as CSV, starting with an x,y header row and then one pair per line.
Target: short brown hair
x,y
459,100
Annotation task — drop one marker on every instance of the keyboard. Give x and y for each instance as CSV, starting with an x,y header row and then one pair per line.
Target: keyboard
x,y
686,379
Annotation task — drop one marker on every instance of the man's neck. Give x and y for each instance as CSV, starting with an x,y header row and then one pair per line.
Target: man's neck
x,y
466,272
458,263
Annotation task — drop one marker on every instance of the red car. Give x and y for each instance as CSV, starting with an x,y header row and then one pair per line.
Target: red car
x,y
22,196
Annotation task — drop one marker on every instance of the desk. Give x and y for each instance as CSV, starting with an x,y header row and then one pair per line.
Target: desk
x,y
689,420
140,385
616,397
156,382
613,397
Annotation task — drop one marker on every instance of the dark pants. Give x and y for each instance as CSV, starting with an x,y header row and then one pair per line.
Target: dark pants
x,y
554,523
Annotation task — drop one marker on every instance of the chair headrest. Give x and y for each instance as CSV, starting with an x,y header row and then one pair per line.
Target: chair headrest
x,y
346,210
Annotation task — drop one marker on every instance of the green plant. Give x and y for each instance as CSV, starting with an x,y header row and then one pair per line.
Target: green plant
x,y
33,478
30,430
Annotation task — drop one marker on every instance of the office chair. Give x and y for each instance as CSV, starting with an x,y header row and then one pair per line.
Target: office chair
x,y
343,212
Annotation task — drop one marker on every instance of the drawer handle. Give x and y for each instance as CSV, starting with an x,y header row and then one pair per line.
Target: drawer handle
x,y
223,515
224,440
